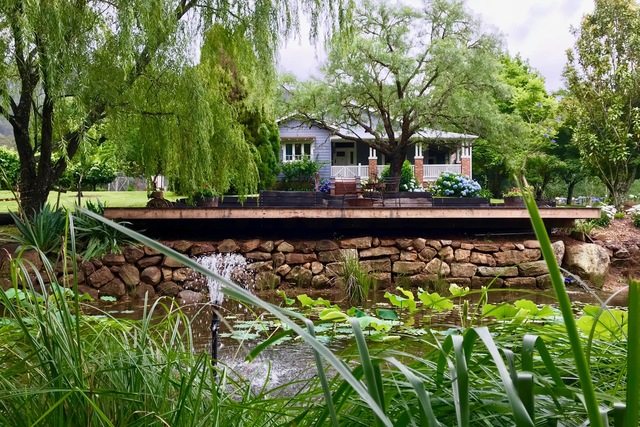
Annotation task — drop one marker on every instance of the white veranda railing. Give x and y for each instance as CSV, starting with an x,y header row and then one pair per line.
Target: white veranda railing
x,y
432,172
350,172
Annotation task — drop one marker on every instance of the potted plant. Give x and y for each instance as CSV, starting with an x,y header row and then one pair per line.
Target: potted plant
x,y
453,189
513,198
204,197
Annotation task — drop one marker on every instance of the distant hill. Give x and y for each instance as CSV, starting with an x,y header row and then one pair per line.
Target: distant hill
x,y
6,134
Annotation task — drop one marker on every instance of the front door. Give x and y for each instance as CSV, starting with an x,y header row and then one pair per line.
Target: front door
x,y
344,154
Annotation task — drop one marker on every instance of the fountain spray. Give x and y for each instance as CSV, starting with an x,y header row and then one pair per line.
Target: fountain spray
x,y
224,265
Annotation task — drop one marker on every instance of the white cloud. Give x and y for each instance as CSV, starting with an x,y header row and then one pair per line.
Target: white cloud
x,y
537,29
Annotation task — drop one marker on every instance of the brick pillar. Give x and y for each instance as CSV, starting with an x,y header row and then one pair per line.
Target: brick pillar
x,y
466,166
419,169
373,168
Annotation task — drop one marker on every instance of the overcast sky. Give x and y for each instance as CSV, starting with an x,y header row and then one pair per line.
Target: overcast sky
x,y
537,29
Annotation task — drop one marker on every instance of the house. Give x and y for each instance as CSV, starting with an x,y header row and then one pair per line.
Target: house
x,y
433,153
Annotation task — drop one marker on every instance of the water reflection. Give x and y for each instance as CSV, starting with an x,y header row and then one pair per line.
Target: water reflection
x,y
242,329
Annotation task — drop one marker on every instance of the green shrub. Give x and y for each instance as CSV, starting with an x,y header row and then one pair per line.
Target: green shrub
x,y
604,220
584,226
485,193
9,167
619,215
406,175
299,175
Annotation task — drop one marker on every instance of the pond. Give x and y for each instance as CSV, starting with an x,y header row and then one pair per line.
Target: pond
x,y
242,329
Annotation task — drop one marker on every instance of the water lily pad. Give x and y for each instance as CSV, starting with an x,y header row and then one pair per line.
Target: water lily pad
x,y
407,301
243,335
287,301
611,323
500,312
387,314
435,301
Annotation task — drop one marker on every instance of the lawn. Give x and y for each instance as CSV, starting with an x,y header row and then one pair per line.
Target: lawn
x,y
130,199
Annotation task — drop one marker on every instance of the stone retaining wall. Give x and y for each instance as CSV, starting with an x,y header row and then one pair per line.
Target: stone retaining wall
x,y
318,264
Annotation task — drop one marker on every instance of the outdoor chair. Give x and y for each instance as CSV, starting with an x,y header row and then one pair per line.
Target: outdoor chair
x,y
391,189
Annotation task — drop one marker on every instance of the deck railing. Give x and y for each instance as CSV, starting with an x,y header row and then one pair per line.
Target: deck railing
x,y
350,172
432,172
381,168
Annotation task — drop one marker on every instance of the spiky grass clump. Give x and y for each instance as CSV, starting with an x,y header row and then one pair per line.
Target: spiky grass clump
x,y
61,368
357,282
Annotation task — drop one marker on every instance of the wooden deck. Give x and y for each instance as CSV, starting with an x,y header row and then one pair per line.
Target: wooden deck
x,y
327,222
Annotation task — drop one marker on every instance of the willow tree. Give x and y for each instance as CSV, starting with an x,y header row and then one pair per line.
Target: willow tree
x,y
603,77
402,70
68,66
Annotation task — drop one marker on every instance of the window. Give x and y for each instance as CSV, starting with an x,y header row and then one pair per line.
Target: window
x,y
296,150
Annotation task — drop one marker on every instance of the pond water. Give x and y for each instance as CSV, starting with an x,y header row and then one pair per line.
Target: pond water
x,y
242,329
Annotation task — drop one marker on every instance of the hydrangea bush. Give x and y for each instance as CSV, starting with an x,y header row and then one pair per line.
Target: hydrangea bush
x,y
451,184
412,186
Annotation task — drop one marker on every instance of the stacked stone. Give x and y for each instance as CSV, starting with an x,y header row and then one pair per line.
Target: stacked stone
x,y
318,264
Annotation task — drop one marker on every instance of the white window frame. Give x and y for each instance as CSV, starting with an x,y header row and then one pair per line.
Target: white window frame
x,y
294,156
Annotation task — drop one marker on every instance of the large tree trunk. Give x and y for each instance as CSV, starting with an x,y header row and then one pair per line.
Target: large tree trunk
x,y
570,188
33,194
395,164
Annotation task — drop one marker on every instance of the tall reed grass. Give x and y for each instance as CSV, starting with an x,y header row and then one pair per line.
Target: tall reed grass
x,y
59,367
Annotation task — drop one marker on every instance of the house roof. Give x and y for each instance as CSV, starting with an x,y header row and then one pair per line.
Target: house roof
x,y
427,134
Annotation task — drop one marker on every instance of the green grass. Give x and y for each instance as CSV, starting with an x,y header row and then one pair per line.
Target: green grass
x,y
112,199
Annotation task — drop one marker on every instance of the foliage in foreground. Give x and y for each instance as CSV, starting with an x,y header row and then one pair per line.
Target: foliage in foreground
x,y
58,368
45,231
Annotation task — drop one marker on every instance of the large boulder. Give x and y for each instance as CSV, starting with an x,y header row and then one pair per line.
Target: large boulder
x,y
100,277
589,261
130,275
169,289
151,275
438,267
380,251
558,251
114,288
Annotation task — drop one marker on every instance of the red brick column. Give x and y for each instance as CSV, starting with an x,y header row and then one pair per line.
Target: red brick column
x,y
419,169
466,166
373,169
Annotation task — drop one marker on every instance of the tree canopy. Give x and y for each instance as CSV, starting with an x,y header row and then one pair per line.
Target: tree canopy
x,y
403,70
603,78
69,66
519,142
